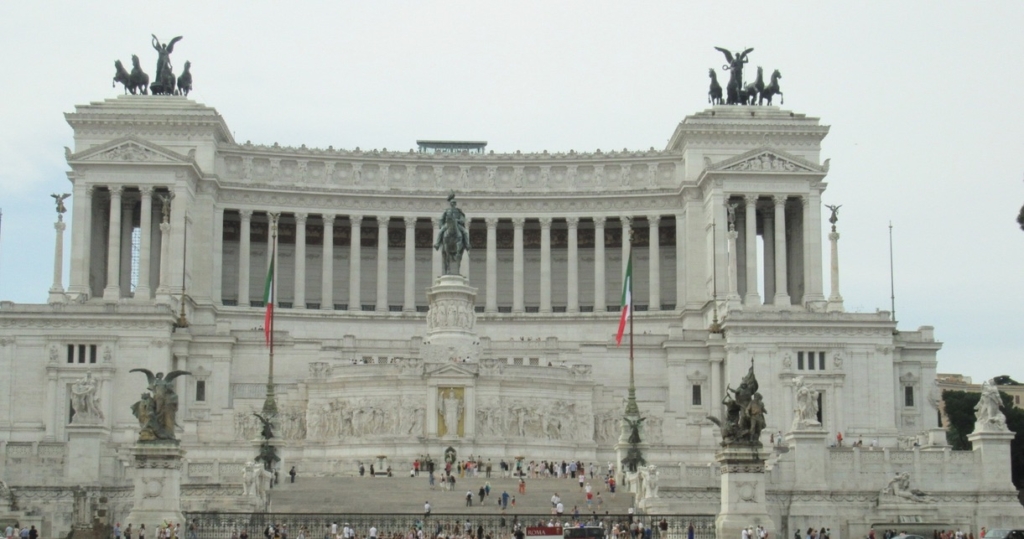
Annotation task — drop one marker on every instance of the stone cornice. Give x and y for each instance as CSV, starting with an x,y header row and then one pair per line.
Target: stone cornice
x,y
413,157
146,115
75,316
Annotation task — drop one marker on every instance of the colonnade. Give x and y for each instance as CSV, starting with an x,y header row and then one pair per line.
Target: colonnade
x,y
355,222
124,201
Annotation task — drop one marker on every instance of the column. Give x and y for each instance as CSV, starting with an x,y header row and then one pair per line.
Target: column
x,y
382,263
812,222
732,296
680,261
781,258
354,262
752,297
465,262
218,255
299,296
327,259
573,280
409,303
517,264
435,260
835,301
599,285
545,264
768,258
81,219
127,222
112,291
627,231
163,288
244,257
654,265
142,290
492,265
57,290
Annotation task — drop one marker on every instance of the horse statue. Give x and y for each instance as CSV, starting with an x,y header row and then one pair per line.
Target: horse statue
x,y
715,92
121,75
772,89
139,80
185,80
754,89
452,237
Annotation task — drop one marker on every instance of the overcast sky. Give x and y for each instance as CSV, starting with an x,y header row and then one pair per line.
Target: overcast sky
x,y
925,101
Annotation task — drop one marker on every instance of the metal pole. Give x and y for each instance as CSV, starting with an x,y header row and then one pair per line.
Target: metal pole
x,y
892,286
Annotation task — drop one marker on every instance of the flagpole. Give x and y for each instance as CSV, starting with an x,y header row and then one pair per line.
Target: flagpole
x,y
270,404
631,407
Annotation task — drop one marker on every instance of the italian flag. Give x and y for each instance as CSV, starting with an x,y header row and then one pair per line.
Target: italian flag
x,y
627,299
268,299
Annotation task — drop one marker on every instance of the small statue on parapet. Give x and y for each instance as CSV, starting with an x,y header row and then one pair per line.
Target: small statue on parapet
x,y
899,487
987,415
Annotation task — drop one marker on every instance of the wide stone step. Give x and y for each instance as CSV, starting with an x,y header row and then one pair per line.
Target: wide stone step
x,y
408,494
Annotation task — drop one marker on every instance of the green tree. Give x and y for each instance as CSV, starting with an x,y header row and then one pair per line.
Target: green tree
x,y
1020,218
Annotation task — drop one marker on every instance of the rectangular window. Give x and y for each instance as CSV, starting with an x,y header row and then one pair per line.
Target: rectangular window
x,y
92,353
696,394
810,361
517,361
200,390
908,396
81,353
71,353
800,361
821,361
534,361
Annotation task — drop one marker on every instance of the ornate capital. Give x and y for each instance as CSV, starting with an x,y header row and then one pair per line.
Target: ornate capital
x,y
246,215
805,201
779,200
90,191
410,222
116,190
146,190
383,221
301,217
545,222
626,222
654,220
750,200
328,219
356,220
572,222
435,222
599,221
518,222
492,222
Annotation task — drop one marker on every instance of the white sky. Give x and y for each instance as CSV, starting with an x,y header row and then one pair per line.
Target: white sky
x,y
924,99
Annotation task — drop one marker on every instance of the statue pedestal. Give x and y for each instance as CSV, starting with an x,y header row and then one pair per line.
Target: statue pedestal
x,y
157,479
809,447
85,452
451,321
743,498
992,451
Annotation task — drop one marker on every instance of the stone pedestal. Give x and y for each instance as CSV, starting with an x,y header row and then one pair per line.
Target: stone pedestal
x,y
743,497
809,447
992,450
451,321
85,449
157,478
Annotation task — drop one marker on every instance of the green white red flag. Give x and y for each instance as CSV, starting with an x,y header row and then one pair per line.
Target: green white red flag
x,y
627,299
268,298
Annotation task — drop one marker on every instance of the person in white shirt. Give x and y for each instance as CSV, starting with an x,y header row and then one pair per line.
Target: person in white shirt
x,y
373,532
744,534
559,508
334,530
426,512
555,499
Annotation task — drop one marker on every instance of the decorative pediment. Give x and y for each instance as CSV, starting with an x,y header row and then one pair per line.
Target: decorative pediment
x,y
767,160
457,370
128,149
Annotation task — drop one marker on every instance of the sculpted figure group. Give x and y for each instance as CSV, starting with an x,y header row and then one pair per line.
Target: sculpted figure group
x,y
85,401
164,82
805,414
987,415
738,93
745,413
156,410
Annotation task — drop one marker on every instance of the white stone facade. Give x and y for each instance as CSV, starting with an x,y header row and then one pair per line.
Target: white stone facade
x,y
357,376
